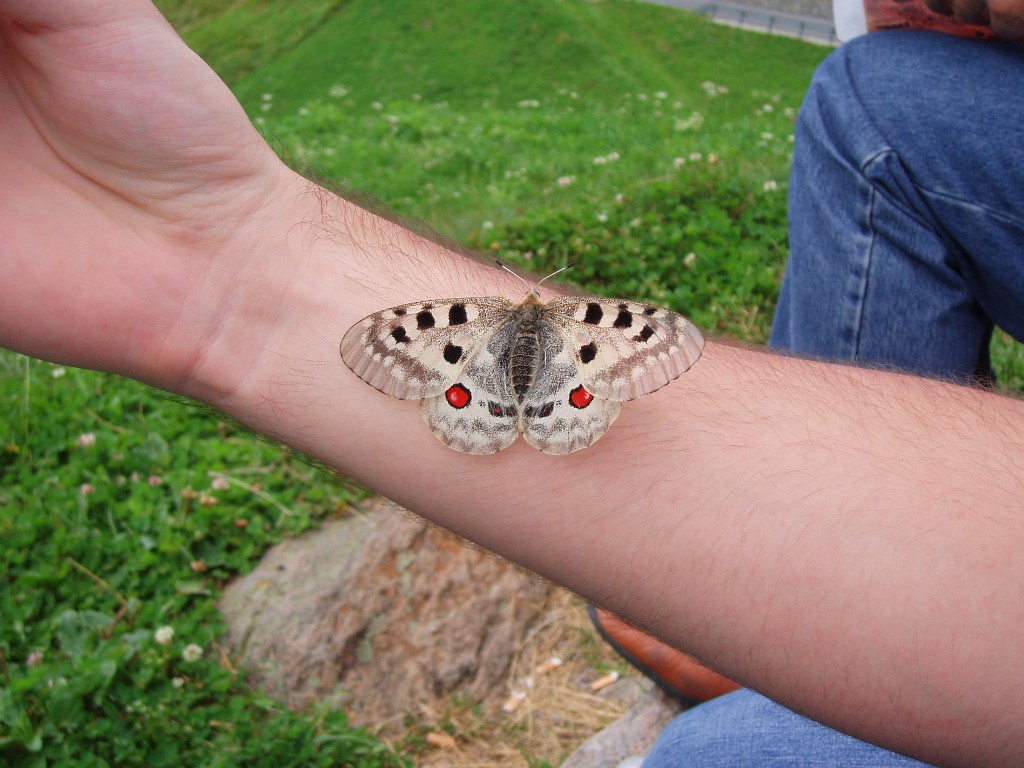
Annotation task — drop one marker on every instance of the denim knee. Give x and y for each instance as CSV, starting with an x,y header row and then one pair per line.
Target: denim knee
x,y
905,221
745,730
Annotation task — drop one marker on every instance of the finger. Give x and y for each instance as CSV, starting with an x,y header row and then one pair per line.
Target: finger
x,y
971,11
942,7
1007,18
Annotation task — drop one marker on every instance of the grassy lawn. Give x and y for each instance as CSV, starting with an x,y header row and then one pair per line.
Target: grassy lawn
x,y
646,144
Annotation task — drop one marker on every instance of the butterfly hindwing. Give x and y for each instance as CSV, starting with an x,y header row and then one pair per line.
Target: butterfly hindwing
x,y
417,350
559,414
478,412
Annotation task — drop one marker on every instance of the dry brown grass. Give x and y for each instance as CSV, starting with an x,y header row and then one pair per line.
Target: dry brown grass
x,y
557,712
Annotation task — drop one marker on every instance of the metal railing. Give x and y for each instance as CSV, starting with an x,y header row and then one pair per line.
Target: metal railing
x,y
772,22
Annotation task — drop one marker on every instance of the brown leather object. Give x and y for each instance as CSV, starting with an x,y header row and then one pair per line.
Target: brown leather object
x,y
677,673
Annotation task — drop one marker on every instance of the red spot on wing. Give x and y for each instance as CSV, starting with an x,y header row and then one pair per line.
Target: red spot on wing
x,y
580,398
457,396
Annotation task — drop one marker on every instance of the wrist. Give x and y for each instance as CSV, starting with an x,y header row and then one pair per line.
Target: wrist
x,y
305,268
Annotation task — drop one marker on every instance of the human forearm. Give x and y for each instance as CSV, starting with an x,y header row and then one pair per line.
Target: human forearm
x,y
813,530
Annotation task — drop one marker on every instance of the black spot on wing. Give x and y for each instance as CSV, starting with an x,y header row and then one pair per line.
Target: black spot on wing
x,y
500,410
452,353
425,319
594,313
539,413
588,352
650,311
645,333
399,335
399,311
624,319
457,314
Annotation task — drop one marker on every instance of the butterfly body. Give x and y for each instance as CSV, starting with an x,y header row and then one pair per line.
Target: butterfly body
x,y
488,369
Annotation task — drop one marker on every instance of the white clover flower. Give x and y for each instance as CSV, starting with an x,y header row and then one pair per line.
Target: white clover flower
x,y
58,372
487,225
602,217
771,185
600,160
267,97
87,489
220,483
529,104
612,157
153,480
377,105
192,653
689,123
696,156
164,635
177,682
690,260
86,440
660,95
565,181
679,162
338,91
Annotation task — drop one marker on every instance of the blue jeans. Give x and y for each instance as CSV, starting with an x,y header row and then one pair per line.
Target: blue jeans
x,y
745,730
907,205
906,220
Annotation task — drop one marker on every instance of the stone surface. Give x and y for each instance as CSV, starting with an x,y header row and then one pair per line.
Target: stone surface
x,y
382,614
632,734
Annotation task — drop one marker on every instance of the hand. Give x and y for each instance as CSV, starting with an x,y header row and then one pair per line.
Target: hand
x,y
1005,17
127,165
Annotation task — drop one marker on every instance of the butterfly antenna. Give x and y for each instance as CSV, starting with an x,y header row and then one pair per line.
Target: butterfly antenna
x,y
511,271
558,271
536,285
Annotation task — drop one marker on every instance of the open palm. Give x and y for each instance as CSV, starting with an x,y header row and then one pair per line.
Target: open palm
x,y
127,167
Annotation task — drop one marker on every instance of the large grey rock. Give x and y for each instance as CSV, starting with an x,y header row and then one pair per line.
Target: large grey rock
x,y
380,613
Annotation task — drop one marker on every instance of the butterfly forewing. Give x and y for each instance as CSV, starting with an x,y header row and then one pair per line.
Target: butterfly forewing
x,y
625,350
417,350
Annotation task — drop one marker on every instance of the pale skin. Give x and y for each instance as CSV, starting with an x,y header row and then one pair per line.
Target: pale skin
x,y
845,541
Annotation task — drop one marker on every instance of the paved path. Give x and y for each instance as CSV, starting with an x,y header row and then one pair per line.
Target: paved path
x,y
809,20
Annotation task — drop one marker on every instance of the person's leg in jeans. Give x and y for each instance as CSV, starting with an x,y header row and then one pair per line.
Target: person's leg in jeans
x,y
746,730
907,205
906,246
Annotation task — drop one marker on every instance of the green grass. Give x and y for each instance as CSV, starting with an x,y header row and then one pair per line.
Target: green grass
x,y
469,112
645,144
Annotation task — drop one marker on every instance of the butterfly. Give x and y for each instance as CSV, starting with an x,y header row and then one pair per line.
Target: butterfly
x,y
488,369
